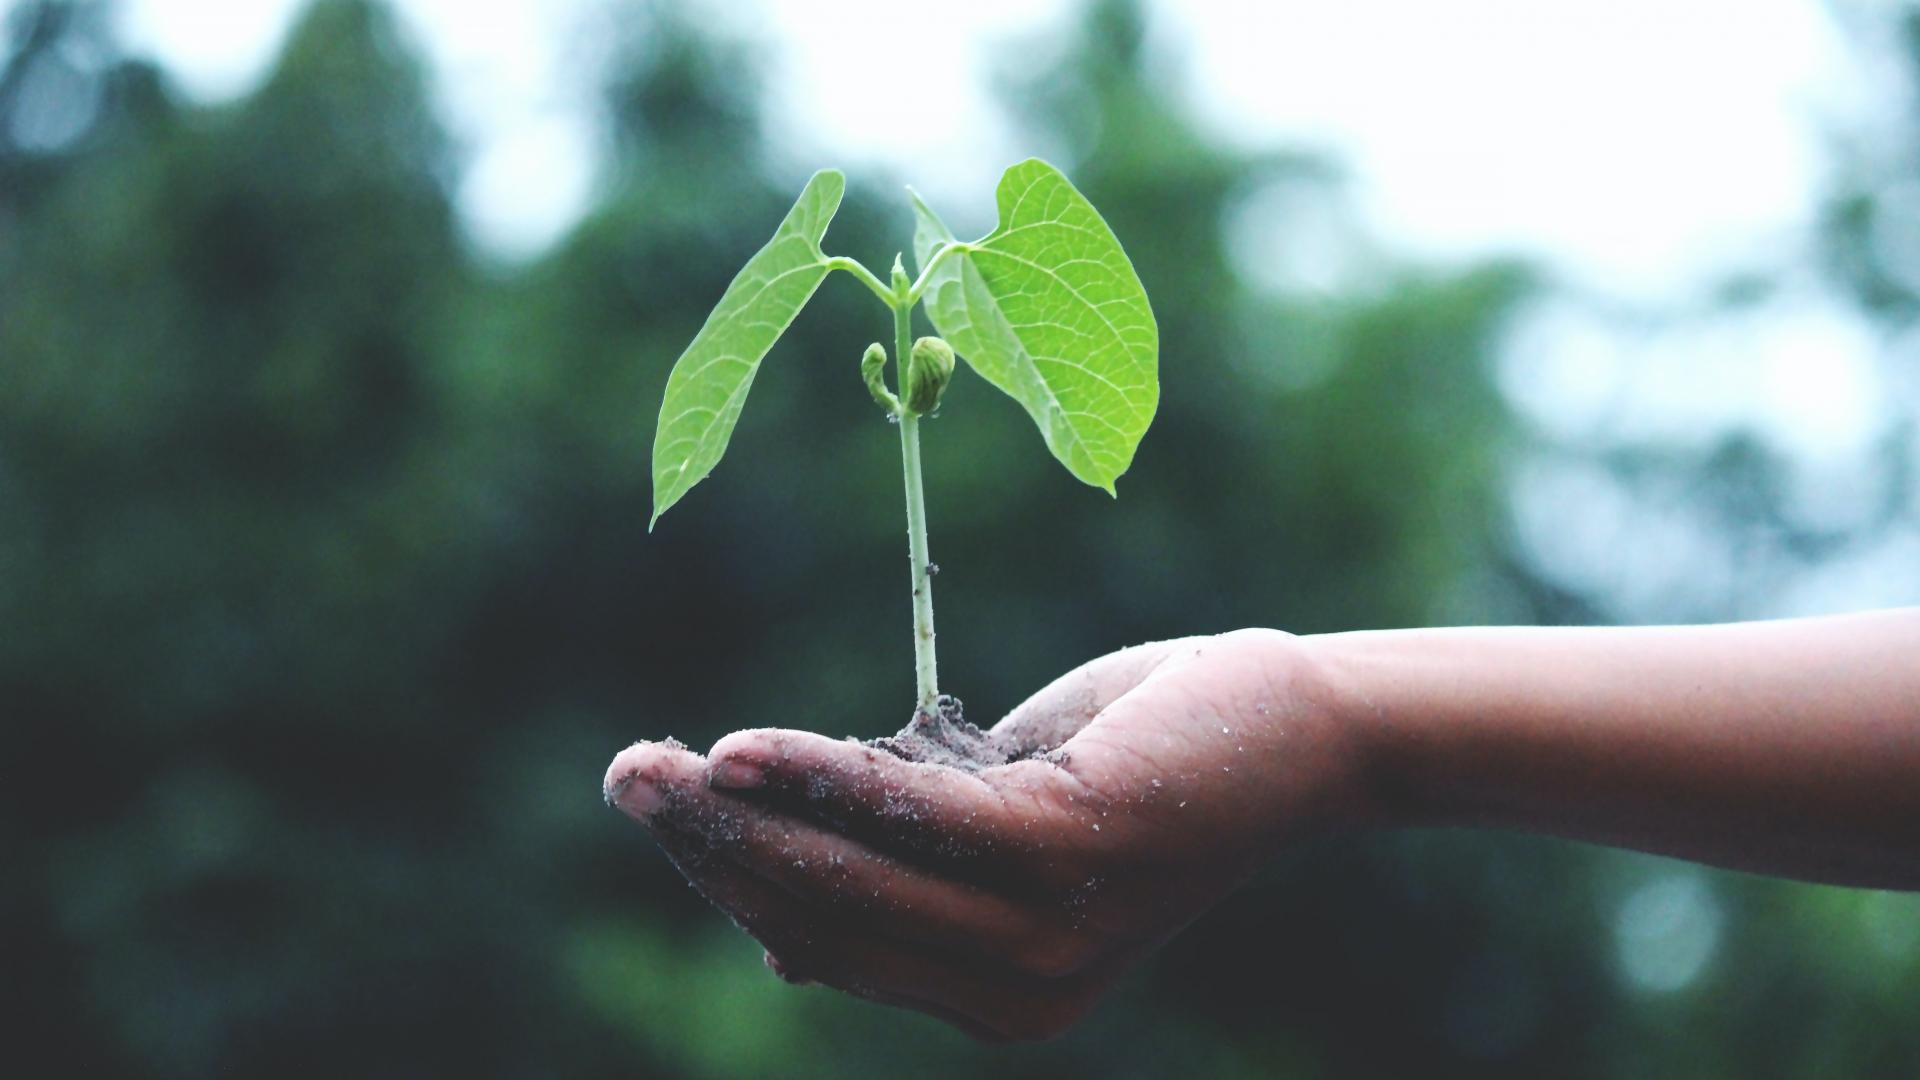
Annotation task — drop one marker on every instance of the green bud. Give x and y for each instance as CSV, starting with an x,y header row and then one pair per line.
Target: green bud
x,y
900,280
929,370
873,366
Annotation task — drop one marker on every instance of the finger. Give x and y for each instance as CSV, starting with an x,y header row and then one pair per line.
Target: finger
x,y
1068,703
811,946
887,802
824,947
646,776
830,871
665,787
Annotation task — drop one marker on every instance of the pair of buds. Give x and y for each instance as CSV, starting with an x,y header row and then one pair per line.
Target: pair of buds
x,y
927,371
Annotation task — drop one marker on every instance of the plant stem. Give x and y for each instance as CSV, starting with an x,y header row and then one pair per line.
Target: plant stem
x,y
925,673
865,276
920,284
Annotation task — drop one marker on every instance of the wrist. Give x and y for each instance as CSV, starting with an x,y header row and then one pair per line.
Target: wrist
x,y
1363,683
1318,737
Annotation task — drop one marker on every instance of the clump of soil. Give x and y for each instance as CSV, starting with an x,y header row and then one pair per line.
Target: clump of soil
x,y
945,736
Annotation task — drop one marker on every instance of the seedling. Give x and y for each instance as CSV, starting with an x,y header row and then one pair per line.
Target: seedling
x,y
1046,307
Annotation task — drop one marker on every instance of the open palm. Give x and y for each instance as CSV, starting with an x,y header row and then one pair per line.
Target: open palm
x,y
1148,783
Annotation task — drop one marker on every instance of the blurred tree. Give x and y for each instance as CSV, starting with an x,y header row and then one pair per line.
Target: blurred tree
x,y
324,552
235,546
1720,974
1736,518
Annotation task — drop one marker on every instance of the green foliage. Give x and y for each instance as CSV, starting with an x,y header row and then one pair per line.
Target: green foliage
x,y
1048,308
710,381
325,557
929,370
873,370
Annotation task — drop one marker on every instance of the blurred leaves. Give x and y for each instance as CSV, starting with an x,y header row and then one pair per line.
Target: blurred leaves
x,y
328,590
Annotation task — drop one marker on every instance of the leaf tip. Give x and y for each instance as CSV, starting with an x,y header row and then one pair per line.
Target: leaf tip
x,y
661,506
831,181
1039,162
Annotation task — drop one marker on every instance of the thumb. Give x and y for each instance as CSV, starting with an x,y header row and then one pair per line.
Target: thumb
x,y
1060,709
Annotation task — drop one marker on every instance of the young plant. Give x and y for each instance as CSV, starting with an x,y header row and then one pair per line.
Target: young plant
x,y
1046,307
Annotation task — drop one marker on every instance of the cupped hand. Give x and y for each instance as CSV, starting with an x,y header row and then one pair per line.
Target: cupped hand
x,y
1150,782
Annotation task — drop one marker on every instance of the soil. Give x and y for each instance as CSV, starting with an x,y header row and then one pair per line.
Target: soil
x,y
946,737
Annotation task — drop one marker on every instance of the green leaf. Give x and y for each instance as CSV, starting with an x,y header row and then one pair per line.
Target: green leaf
x,y
709,382
1047,307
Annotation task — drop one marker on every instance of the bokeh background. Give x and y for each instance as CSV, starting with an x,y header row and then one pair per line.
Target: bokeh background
x,y
327,590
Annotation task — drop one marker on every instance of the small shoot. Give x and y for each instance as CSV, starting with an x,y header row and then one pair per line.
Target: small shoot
x,y
1046,307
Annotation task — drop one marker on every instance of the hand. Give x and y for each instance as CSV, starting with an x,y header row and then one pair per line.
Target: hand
x,y
1006,901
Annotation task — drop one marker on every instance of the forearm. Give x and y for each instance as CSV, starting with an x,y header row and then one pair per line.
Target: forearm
x,y
1789,748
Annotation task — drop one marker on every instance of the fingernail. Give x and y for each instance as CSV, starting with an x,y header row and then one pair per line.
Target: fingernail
x,y
634,795
736,774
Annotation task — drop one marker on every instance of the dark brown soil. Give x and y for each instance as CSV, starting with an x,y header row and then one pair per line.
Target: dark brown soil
x,y
945,737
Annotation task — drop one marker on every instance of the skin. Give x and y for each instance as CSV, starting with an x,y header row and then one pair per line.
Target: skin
x,y
1007,901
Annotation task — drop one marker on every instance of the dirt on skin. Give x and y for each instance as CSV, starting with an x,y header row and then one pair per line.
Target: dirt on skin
x,y
946,737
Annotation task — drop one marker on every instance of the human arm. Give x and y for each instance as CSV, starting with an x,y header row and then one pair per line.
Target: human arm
x,y
1789,748
1006,901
